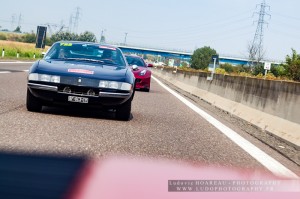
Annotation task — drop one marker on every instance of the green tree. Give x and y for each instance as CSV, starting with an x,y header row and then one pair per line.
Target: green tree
x,y
258,69
201,57
87,36
278,70
66,36
292,66
18,29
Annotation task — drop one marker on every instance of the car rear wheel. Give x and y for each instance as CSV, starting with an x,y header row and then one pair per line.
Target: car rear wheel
x,y
32,103
123,112
147,89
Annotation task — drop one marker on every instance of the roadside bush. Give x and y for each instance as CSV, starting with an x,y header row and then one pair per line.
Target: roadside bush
x,y
48,42
25,50
259,68
227,67
241,68
270,76
244,74
184,64
221,71
234,69
29,38
14,37
259,75
278,70
188,69
3,37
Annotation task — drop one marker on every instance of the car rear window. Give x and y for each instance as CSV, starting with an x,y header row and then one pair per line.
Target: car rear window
x,y
135,61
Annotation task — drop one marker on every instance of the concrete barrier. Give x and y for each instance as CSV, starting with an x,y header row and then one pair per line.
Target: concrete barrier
x,y
273,106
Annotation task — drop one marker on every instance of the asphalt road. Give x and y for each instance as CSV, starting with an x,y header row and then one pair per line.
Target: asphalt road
x,y
161,126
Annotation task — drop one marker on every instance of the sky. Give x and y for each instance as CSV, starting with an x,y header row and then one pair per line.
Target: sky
x,y
228,26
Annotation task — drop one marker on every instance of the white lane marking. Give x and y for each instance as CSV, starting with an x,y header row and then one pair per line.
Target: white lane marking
x,y
16,62
270,163
5,72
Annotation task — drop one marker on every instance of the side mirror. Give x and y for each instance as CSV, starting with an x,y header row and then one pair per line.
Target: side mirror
x,y
150,65
135,67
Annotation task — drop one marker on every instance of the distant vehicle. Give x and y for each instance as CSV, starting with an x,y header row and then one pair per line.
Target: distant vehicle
x,y
159,64
82,74
141,72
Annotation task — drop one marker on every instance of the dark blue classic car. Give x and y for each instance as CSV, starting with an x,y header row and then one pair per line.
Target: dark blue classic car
x,y
82,74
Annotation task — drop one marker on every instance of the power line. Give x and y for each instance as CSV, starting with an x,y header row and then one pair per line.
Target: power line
x,y
286,16
284,25
282,32
229,21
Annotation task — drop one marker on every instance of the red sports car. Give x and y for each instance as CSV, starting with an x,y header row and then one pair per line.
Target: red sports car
x,y
141,71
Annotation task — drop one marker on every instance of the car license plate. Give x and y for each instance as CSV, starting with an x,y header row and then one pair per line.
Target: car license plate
x,y
78,99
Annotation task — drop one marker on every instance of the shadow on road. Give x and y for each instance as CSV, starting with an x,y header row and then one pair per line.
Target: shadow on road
x,y
81,112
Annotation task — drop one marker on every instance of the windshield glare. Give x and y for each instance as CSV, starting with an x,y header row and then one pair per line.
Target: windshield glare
x,y
65,51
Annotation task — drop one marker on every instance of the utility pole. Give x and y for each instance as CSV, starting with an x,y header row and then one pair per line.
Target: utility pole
x,y
102,37
20,20
13,21
125,38
77,15
70,23
256,48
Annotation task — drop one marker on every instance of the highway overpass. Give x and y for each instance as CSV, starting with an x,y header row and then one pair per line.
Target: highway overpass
x,y
184,56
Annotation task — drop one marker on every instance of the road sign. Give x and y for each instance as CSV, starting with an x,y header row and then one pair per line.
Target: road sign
x,y
41,37
215,58
267,66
